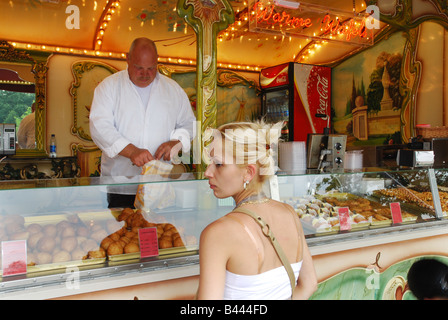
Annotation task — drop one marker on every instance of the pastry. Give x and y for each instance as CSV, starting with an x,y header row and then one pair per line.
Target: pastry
x,y
61,256
69,244
131,248
34,228
106,243
97,254
46,244
114,248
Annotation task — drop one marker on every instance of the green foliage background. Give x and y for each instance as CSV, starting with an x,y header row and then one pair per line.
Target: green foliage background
x,y
14,106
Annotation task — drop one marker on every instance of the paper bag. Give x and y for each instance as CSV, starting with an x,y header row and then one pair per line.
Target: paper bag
x,y
155,195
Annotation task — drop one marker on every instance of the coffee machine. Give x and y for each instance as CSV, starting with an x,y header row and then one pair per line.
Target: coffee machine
x,y
7,139
326,152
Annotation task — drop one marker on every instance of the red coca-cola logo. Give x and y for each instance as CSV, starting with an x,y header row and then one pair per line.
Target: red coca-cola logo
x,y
318,92
274,76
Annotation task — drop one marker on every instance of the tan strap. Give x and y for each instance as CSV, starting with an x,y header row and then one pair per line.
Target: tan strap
x,y
278,249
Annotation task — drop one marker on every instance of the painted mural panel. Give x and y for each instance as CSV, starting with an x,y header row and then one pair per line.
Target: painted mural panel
x,y
366,103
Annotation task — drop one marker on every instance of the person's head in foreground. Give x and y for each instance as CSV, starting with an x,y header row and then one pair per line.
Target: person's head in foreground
x,y
241,158
428,279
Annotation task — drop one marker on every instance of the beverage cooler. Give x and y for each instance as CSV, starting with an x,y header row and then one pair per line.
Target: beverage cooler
x,y
299,94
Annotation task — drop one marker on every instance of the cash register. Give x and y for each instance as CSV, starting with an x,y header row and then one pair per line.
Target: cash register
x,y
7,139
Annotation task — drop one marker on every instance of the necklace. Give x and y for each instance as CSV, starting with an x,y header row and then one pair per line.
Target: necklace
x,y
253,199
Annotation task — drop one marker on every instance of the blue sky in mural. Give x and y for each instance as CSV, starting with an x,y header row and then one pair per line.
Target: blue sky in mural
x,y
360,66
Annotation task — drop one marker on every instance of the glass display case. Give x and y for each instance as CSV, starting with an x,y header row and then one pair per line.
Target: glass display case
x,y
66,224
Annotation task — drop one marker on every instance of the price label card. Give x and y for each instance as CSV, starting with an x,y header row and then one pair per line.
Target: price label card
x,y
149,246
14,257
344,218
395,210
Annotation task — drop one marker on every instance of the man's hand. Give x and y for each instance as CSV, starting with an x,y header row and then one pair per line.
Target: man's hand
x,y
137,156
168,150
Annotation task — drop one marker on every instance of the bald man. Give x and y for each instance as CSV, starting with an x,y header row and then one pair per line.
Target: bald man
x,y
139,115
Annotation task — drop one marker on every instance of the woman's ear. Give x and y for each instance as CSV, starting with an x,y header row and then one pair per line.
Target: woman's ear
x,y
251,171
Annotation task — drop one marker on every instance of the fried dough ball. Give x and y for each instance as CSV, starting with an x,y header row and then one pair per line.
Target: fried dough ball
x,y
125,239
97,254
34,228
89,245
177,242
125,214
106,243
99,235
13,227
82,231
114,248
21,235
43,258
46,244
168,226
61,256
165,242
78,254
60,226
121,242
169,233
69,243
159,230
50,230
131,248
68,231
115,236
33,239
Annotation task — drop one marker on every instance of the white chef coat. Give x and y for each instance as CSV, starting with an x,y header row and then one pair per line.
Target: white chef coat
x,y
118,118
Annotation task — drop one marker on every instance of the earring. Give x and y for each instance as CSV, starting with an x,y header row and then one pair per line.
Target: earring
x,y
245,184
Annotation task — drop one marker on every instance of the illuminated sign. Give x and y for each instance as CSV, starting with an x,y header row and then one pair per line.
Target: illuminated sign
x,y
297,19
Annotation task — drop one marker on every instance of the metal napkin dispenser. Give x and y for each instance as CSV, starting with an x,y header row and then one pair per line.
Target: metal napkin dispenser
x,y
415,158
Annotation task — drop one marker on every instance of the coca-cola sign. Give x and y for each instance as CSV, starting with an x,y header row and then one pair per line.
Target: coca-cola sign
x,y
313,98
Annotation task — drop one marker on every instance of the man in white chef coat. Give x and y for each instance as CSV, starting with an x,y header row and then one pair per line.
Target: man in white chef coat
x,y
138,115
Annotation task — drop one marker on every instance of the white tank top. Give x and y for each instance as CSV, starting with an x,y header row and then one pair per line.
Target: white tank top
x,y
270,285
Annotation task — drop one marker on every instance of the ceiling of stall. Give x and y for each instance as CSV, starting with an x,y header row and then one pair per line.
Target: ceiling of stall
x,y
42,24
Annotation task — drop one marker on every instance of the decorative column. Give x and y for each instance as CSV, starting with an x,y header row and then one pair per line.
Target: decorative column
x,y
207,18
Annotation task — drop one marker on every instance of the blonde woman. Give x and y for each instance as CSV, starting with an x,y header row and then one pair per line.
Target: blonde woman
x,y
237,258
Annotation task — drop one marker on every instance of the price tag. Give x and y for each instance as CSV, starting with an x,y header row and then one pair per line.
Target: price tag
x,y
14,257
344,218
395,210
149,246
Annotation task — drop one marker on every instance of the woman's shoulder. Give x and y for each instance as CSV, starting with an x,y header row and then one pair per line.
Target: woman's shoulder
x,y
222,227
